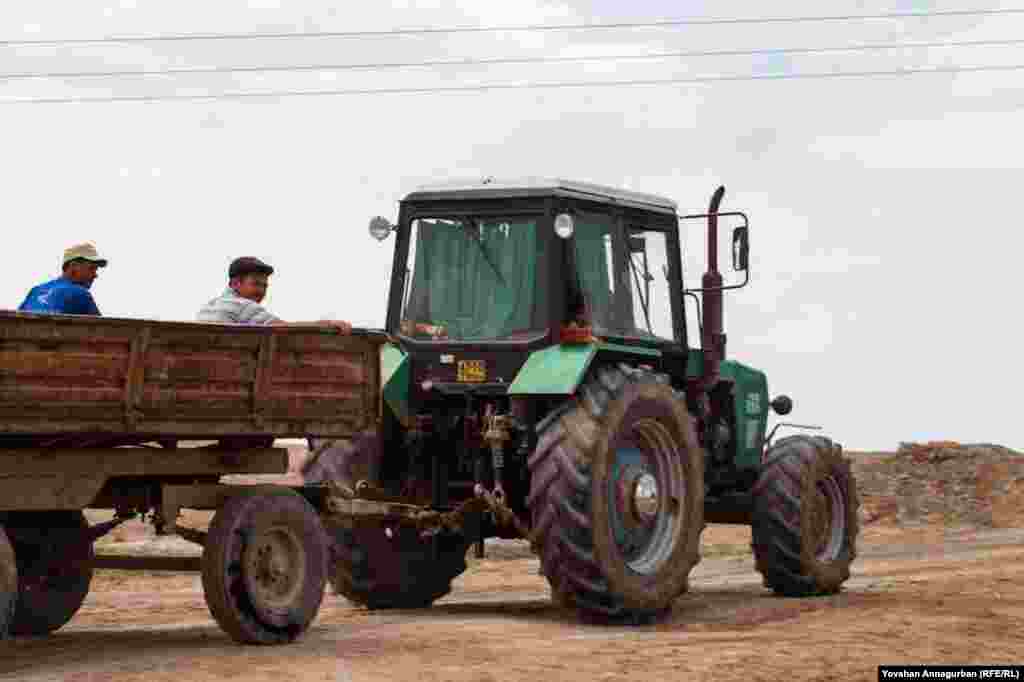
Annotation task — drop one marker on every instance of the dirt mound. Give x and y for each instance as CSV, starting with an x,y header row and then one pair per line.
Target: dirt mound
x,y
943,481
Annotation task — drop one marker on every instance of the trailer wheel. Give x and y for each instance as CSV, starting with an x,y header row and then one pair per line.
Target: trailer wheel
x,y
264,566
8,584
617,497
805,522
49,592
389,566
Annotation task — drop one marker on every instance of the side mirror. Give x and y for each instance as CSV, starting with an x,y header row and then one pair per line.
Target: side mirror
x,y
380,228
782,405
740,249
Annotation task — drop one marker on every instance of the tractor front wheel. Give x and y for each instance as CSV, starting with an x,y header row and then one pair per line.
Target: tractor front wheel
x,y
805,517
617,497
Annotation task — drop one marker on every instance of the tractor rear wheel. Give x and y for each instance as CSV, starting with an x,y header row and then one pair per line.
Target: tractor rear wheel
x,y
389,566
617,497
805,517
8,584
54,569
264,566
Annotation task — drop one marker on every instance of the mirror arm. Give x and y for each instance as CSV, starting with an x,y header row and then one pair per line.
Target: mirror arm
x,y
746,223
744,283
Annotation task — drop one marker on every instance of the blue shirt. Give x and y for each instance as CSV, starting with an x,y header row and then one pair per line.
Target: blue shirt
x,y
60,296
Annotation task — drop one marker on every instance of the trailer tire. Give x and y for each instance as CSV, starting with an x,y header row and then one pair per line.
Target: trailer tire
x,y
8,584
397,572
264,566
805,525
47,602
617,497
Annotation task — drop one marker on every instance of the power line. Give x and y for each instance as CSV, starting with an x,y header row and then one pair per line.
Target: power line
x,y
670,23
517,86
380,66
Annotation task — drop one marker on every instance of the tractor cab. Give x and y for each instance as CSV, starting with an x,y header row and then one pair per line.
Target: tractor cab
x,y
534,262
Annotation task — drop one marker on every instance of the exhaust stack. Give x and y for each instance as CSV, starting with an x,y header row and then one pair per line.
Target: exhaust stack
x,y
713,341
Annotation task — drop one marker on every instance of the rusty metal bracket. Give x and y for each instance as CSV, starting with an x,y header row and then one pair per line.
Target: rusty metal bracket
x,y
136,376
262,384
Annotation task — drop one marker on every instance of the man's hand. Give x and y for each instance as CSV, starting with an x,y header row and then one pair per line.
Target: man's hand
x,y
342,326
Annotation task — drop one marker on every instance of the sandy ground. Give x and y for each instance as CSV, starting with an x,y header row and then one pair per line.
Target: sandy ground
x,y
933,593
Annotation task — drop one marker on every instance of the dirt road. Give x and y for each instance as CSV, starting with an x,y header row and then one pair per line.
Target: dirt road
x,y
929,595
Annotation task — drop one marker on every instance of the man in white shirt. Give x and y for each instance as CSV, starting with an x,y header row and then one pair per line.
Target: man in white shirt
x,y
241,301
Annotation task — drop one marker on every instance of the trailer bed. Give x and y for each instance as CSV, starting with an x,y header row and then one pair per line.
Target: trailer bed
x,y
75,378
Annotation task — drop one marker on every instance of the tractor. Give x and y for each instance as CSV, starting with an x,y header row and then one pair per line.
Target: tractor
x,y
541,381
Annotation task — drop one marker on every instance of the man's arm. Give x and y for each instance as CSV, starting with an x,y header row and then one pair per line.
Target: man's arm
x,y
254,313
28,300
342,326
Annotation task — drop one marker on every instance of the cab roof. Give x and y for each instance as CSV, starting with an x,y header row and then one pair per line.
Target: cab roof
x,y
495,188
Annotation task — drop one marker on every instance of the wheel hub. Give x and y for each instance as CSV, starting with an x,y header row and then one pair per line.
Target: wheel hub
x,y
644,499
274,566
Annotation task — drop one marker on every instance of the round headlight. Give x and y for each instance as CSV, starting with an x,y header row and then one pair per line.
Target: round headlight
x,y
564,225
380,228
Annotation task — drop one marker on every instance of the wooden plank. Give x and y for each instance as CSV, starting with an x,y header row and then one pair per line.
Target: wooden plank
x,y
111,462
124,562
32,364
170,365
207,426
44,491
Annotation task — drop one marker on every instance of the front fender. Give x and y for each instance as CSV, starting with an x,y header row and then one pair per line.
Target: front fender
x,y
394,377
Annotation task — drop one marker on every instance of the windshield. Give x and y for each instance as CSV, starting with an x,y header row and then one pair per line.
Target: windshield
x,y
471,278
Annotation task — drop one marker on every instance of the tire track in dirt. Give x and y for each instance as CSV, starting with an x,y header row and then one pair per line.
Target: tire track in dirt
x,y
954,600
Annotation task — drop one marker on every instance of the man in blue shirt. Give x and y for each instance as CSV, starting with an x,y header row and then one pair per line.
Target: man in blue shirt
x,y
69,293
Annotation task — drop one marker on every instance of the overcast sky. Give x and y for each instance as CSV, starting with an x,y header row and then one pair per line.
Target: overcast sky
x,y
885,212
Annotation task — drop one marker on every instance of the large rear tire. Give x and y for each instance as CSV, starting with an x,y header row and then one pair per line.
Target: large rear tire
x,y
389,566
805,522
617,497
50,592
264,566
8,584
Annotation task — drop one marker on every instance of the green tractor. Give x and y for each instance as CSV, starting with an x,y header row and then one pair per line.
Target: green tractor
x,y
541,383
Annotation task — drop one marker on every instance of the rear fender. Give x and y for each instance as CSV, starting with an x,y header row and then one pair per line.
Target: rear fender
x,y
559,370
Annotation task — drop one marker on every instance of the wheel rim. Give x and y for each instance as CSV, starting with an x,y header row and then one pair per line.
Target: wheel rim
x,y
828,520
274,567
646,496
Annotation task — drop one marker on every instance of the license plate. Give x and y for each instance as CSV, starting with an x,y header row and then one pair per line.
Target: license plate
x,y
472,371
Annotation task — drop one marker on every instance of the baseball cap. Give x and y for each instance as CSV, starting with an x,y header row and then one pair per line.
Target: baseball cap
x,y
247,265
84,251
